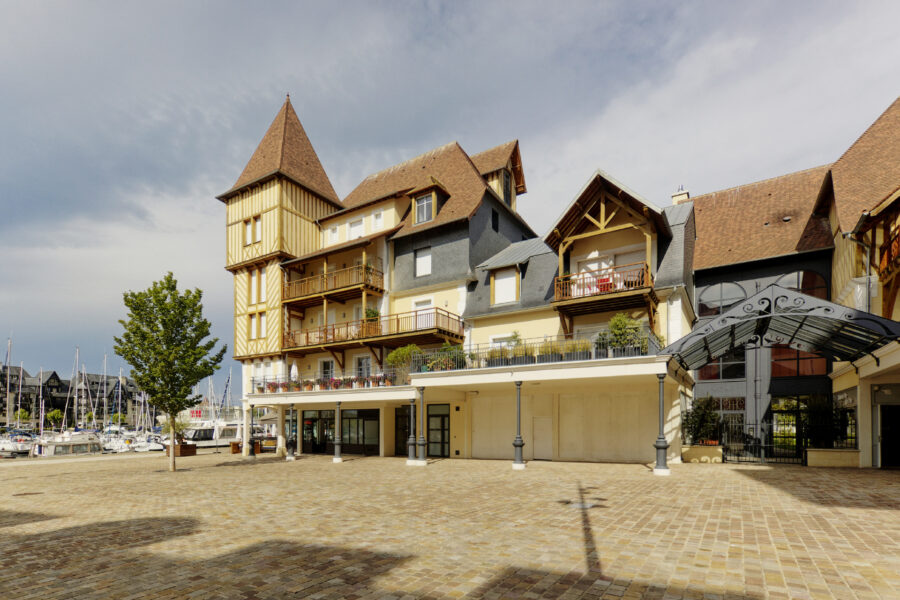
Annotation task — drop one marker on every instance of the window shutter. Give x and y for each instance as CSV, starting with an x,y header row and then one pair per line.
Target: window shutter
x,y
505,286
423,262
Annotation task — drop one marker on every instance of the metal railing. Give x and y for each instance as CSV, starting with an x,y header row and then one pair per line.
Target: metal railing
x,y
334,280
602,281
329,382
595,345
409,322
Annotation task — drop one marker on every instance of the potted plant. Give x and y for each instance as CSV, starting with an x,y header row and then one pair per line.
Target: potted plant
x,y
308,385
497,357
624,335
388,379
701,423
283,386
577,350
401,359
372,323
260,387
549,351
521,354
271,387
336,383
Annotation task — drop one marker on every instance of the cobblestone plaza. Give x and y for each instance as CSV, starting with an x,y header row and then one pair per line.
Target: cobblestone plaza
x,y
223,527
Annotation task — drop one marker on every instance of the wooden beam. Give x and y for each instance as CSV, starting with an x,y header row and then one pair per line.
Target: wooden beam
x,y
378,356
611,217
582,236
593,220
339,361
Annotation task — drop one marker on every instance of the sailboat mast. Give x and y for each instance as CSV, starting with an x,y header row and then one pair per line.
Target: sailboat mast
x,y
6,398
105,384
19,395
41,387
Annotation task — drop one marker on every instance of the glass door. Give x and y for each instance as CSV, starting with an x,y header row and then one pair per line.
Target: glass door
x,y
439,430
401,429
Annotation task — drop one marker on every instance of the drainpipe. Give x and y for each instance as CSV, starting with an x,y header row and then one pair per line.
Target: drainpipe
x,y
868,248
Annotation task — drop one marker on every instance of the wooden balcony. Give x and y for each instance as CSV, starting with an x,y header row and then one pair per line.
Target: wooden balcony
x,y
338,286
616,288
426,326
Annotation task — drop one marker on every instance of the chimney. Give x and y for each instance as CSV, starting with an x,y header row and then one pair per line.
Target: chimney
x,y
681,196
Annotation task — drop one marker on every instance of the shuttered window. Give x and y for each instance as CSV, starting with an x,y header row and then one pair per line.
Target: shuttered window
x,y
355,229
505,286
423,262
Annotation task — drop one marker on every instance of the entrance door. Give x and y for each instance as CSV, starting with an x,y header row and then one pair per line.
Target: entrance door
x,y
401,429
439,430
318,431
890,436
542,428
359,432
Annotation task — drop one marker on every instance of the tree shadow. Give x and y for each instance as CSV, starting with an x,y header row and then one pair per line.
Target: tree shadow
x,y
9,518
849,488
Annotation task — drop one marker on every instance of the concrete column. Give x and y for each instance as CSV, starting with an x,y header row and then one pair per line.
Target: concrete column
x,y
245,434
281,443
661,444
422,454
518,463
337,435
411,440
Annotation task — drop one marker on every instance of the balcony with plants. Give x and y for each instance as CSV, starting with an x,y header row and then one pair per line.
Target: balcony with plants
x,y
623,337
619,287
326,382
339,285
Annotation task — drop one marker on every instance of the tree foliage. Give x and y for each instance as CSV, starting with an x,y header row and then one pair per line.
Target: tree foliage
x,y
55,416
22,414
163,341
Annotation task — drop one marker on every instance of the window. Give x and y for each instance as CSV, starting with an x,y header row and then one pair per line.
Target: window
x,y
503,341
424,208
326,368
506,288
254,286
805,282
718,298
495,220
507,191
377,220
257,325
355,229
252,327
363,366
333,234
262,284
262,324
728,366
257,292
787,362
253,230
423,262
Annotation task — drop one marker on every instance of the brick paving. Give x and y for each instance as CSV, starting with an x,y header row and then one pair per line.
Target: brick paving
x,y
224,527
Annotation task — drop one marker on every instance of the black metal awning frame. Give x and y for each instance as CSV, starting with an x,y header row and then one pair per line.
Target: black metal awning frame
x,y
777,315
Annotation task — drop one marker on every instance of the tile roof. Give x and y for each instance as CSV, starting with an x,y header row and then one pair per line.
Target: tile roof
x,y
348,245
760,220
497,157
869,171
448,165
285,149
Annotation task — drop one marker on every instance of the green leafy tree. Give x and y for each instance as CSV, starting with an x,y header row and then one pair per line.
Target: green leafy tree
x,y
22,415
88,418
118,418
164,343
55,417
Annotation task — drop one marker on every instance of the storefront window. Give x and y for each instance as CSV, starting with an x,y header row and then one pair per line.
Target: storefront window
x,y
805,282
788,362
719,297
728,366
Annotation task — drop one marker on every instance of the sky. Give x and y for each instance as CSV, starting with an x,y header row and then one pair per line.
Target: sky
x,y
121,121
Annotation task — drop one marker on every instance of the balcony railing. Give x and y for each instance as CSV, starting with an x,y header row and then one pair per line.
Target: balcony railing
x,y
329,382
334,280
596,345
604,281
410,322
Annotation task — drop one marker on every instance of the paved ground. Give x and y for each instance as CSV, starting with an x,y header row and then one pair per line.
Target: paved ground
x,y
373,528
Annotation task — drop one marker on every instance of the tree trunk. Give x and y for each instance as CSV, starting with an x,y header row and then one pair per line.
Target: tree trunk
x,y
173,440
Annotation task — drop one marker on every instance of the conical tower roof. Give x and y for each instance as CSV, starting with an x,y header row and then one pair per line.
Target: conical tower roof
x,y
286,150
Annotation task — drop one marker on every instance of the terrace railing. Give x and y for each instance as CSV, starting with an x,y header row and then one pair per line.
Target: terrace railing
x,y
329,382
596,345
393,324
602,281
334,280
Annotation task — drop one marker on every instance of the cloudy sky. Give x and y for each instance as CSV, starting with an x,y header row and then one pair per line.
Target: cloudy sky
x,y
120,121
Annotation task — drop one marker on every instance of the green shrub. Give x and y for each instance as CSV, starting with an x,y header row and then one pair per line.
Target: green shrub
x,y
701,422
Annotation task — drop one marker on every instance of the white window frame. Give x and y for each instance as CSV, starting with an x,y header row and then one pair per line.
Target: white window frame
x,y
248,232
378,219
262,284
257,225
416,259
262,324
333,234
322,361
426,200
253,326
501,340
511,296
356,229
254,282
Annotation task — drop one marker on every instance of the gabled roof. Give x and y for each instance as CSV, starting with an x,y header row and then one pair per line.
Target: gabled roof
x,y
516,254
286,150
869,171
497,158
593,190
760,220
448,164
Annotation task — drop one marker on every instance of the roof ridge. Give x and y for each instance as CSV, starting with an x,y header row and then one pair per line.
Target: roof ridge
x,y
512,141
869,128
760,181
406,162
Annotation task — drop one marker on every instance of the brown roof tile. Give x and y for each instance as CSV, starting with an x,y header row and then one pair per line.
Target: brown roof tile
x,y
869,171
449,165
285,149
748,223
496,158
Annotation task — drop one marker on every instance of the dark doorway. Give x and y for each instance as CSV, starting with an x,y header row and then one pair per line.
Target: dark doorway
x,y
439,430
318,431
890,436
359,431
401,429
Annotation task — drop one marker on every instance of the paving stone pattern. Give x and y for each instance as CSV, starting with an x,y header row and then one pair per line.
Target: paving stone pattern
x,y
226,527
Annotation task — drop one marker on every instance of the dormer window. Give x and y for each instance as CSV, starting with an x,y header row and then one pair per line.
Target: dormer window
x,y
507,188
424,208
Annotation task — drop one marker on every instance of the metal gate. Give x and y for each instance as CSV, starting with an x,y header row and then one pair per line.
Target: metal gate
x,y
778,439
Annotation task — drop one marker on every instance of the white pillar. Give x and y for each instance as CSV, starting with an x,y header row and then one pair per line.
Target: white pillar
x,y
245,434
281,444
